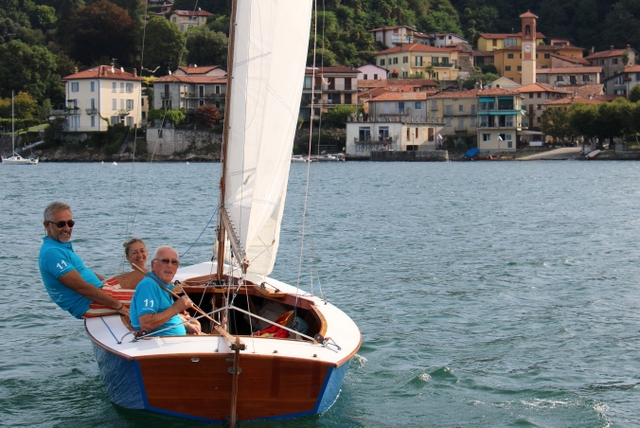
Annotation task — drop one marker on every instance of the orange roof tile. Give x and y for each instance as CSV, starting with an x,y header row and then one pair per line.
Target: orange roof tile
x,y
198,70
198,78
468,93
606,54
415,47
563,70
401,96
104,72
539,87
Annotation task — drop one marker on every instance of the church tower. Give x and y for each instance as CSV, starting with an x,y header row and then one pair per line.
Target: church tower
x,y
528,48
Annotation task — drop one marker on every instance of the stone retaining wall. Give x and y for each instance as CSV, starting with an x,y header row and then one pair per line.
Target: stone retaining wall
x,y
392,156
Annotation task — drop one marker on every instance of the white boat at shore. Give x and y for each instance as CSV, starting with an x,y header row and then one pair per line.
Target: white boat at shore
x,y
16,159
331,158
272,350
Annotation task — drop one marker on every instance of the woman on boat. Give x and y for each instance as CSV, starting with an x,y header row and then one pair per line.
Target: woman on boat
x,y
135,251
123,285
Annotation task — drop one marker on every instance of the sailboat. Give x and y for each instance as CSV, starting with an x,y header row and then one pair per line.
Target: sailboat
x,y
16,159
272,350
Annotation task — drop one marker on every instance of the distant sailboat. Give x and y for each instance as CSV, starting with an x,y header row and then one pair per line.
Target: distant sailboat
x,y
16,159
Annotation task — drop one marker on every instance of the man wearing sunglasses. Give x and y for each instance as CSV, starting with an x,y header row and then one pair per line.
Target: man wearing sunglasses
x,y
153,309
71,285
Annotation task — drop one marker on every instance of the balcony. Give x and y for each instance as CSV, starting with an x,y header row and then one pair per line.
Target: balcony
x,y
91,111
123,112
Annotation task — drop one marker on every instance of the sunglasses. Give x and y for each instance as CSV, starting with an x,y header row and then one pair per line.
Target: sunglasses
x,y
60,224
167,261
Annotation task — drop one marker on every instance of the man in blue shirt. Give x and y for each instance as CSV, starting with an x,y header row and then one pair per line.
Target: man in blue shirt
x,y
71,285
153,309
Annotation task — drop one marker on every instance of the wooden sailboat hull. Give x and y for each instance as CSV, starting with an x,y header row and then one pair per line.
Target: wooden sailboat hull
x,y
192,376
198,386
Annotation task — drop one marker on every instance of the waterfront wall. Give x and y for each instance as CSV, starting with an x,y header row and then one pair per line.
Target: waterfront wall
x,y
411,156
172,141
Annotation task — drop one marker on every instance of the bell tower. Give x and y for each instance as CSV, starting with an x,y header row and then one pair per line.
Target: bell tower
x,y
528,48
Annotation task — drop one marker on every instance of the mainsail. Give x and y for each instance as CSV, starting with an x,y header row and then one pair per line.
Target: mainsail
x,y
266,79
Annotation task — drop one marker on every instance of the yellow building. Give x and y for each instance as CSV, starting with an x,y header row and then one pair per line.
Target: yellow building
x,y
458,111
410,59
508,61
494,42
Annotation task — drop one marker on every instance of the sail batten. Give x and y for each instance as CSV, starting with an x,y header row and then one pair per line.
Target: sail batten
x,y
269,59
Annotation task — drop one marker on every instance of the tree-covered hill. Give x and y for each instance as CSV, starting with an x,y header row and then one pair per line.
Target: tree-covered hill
x,y
43,40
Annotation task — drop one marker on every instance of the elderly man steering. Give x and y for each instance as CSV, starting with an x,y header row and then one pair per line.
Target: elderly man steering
x,y
153,309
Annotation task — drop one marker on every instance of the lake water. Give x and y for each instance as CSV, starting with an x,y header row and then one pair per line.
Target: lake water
x,y
497,294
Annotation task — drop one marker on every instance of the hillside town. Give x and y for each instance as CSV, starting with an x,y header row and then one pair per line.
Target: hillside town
x,y
410,100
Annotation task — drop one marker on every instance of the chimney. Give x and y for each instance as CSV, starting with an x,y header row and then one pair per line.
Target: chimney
x,y
135,72
75,70
611,48
628,46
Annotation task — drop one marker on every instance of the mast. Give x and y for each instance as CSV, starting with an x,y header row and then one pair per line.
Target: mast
x,y
13,125
225,143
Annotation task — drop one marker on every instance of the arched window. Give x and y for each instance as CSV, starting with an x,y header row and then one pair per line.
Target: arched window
x,y
527,30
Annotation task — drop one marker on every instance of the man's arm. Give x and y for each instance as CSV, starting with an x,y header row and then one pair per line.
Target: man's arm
x,y
150,322
74,281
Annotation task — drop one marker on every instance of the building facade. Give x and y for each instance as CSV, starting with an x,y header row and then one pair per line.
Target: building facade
x,y
102,96
499,120
535,97
612,61
186,19
191,87
458,110
431,62
328,87
397,121
622,83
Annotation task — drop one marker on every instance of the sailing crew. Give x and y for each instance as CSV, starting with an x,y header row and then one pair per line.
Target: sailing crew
x,y
70,284
153,309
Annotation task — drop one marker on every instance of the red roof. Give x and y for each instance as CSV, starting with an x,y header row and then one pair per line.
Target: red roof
x,y
539,35
416,47
198,78
469,93
198,70
607,54
401,96
104,72
540,87
191,12
497,91
567,70
341,69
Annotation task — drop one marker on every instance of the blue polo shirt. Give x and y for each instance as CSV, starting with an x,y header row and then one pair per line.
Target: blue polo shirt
x,y
150,298
56,259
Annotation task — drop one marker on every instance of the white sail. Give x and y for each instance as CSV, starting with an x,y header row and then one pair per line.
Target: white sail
x,y
269,58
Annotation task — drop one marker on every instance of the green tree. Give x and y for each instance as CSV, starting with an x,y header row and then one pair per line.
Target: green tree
x,y
175,116
164,46
442,17
101,30
634,94
31,69
217,7
207,47
555,122
133,7
622,24
613,118
338,115
584,119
